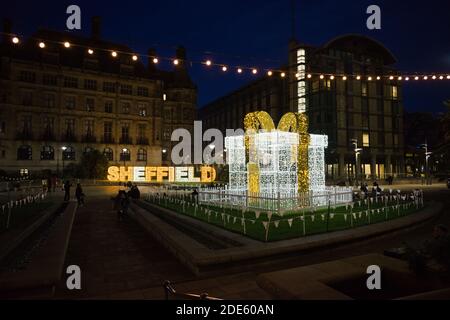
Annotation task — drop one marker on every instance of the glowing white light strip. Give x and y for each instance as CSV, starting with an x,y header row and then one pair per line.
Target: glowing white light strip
x,y
301,84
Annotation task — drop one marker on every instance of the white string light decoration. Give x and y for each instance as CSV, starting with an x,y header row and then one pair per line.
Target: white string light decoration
x,y
277,160
316,164
237,168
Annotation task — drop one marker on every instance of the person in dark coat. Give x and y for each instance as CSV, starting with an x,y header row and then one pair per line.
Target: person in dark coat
x,y
79,195
67,186
121,203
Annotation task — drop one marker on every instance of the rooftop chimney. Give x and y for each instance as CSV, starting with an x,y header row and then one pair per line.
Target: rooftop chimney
x,y
96,27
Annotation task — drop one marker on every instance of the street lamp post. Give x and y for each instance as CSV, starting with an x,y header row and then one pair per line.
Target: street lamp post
x,y
427,156
357,151
124,151
63,148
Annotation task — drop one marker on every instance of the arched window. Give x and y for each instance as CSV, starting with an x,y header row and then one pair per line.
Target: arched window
x,y
142,155
68,153
125,155
87,150
47,153
108,154
24,153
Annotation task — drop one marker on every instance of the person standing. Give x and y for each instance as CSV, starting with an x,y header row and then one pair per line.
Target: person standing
x,y
79,195
67,186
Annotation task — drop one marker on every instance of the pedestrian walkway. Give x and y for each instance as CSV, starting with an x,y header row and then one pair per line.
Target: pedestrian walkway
x,y
115,256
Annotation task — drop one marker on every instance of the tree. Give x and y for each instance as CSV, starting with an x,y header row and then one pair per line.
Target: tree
x,y
93,165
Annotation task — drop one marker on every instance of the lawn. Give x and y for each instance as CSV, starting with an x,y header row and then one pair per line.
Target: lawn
x,y
265,226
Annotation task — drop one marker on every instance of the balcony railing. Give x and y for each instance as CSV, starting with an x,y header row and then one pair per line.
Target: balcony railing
x,y
107,139
142,141
125,140
24,135
69,137
90,138
48,136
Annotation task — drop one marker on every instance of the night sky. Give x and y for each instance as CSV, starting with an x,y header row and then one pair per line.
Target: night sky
x,y
256,33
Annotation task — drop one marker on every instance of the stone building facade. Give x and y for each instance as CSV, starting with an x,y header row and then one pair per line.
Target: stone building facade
x,y
58,102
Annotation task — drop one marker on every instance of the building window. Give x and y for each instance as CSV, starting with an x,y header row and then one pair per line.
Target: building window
x,y
108,153
87,150
25,131
70,129
142,155
380,121
69,153
166,134
107,132
48,128
109,87
126,89
47,153
2,127
142,110
49,100
164,97
394,92
142,91
70,102
50,80
315,86
3,154
70,82
380,105
90,84
27,76
27,98
365,139
395,140
108,106
364,89
125,130
90,104
125,155
380,139
89,127
126,107
24,153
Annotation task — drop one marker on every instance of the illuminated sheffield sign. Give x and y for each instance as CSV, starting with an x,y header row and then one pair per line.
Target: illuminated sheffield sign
x,y
161,174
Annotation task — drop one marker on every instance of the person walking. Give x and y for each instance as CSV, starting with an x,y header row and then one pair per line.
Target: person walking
x,y
121,204
79,195
67,186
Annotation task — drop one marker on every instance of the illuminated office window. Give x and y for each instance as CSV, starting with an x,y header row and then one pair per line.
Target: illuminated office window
x,y
365,139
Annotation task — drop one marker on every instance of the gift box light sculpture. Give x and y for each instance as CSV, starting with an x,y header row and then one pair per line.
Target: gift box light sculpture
x,y
276,162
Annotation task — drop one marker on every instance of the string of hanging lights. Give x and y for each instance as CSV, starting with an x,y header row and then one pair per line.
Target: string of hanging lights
x,y
209,64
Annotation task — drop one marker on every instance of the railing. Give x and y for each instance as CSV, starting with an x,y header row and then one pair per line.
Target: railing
x,y
89,138
142,141
108,139
275,202
24,135
365,209
69,137
170,291
125,140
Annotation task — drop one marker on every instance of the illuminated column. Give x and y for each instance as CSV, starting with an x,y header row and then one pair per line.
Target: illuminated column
x,y
316,162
